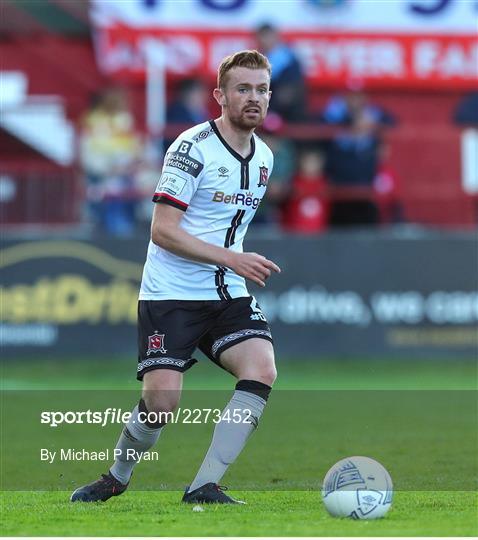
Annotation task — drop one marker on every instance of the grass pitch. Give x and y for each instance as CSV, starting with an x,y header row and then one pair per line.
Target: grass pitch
x,y
297,513
418,419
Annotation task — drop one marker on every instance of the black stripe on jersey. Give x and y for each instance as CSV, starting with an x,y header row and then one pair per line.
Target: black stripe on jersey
x,y
221,287
244,176
231,232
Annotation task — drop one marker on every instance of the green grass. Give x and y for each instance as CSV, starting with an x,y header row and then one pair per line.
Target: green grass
x,y
327,374
418,418
266,514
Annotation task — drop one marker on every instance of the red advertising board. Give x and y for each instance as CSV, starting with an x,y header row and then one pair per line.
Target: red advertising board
x,y
388,59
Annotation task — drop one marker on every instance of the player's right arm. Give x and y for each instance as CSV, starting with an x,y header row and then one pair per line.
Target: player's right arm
x,y
167,233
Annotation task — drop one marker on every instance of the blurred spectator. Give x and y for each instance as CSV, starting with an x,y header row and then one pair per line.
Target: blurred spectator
x,y
189,106
466,112
344,108
109,151
288,82
353,155
306,210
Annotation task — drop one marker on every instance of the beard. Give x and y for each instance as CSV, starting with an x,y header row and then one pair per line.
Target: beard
x,y
243,122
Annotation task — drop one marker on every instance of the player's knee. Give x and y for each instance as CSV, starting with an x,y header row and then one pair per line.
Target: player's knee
x,y
269,375
262,369
162,403
266,374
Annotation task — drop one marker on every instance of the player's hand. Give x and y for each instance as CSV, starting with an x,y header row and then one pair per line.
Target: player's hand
x,y
253,266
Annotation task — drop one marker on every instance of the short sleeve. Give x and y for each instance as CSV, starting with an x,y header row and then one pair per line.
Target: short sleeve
x,y
182,168
271,162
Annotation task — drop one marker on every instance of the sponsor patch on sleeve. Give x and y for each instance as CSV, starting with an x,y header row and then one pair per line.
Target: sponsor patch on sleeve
x,y
171,184
181,159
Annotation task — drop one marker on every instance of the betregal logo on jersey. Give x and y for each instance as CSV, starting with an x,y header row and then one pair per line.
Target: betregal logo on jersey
x,y
237,198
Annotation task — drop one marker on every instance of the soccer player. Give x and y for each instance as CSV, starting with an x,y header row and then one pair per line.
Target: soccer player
x,y
193,292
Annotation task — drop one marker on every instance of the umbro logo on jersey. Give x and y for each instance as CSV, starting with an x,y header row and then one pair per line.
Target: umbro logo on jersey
x,y
223,172
203,135
237,198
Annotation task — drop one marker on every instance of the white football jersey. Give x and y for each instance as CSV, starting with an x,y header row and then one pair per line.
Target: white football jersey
x,y
219,192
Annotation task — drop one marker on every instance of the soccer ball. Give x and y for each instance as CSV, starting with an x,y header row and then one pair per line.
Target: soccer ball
x,y
357,487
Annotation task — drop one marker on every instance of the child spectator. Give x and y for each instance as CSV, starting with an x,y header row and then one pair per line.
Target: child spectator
x,y
110,148
386,188
306,210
